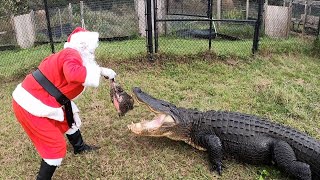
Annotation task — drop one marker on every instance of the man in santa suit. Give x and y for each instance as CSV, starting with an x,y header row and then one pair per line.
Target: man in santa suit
x,y
41,116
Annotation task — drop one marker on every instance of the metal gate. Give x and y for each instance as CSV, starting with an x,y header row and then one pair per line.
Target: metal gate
x,y
158,17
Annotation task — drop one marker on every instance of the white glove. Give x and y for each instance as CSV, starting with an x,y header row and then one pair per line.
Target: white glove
x,y
76,125
77,119
108,73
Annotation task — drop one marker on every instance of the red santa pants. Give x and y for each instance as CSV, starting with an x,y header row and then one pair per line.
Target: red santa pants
x,y
46,134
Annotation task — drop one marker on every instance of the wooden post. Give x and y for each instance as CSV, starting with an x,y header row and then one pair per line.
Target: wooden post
x,y
218,9
70,14
309,7
140,10
81,14
289,18
305,16
264,13
12,28
60,21
161,13
218,13
247,10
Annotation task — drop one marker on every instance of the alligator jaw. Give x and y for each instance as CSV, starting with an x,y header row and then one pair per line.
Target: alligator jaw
x,y
151,128
164,121
156,105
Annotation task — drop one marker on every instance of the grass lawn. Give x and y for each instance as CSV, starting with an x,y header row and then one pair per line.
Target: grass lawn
x,y
281,83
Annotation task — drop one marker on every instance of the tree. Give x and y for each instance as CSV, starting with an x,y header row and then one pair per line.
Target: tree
x,y
9,7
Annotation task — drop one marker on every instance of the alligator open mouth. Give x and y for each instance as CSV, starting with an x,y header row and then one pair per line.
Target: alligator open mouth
x,y
161,124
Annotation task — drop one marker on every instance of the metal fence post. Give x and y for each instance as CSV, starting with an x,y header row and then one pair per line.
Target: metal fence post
x,y
155,23
210,25
149,30
48,25
257,28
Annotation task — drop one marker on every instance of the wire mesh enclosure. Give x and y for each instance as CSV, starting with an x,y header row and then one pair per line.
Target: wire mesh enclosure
x,y
201,25
226,27
305,16
44,29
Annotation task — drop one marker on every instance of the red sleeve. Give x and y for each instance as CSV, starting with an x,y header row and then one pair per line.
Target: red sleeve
x,y
76,72
73,70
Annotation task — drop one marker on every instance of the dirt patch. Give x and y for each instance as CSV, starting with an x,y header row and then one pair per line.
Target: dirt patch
x,y
262,84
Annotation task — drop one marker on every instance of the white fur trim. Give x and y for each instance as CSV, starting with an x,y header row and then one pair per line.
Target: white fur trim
x,y
74,107
34,106
86,36
89,39
77,119
93,75
53,162
83,41
72,130
68,45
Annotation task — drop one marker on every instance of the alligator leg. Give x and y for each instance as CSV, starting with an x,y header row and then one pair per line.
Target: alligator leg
x,y
285,158
212,143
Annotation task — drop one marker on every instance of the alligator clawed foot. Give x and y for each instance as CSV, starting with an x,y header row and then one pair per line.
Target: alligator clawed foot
x,y
218,168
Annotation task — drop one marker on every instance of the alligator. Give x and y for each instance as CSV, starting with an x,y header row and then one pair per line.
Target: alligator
x,y
247,138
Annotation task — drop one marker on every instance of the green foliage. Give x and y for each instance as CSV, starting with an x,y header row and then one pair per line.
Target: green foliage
x,y
316,46
263,174
9,7
233,14
116,22
243,31
280,46
6,27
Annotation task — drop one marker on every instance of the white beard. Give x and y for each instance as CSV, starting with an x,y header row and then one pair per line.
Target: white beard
x,y
88,58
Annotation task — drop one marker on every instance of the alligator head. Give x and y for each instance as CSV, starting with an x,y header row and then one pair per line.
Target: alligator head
x,y
169,120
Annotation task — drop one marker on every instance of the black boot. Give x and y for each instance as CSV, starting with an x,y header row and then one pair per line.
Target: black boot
x,y
79,146
46,171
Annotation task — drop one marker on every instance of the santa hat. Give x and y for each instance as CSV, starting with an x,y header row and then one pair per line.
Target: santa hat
x,y
82,38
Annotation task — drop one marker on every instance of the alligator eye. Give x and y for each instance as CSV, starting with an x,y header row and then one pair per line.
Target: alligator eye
x,y
138,90
166,105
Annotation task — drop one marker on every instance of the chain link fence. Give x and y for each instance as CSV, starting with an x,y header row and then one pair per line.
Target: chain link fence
x,y
182,27
186,25
305,17
25,38
181,24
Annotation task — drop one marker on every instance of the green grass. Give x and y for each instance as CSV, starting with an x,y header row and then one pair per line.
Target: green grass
x,y
282,85
13,64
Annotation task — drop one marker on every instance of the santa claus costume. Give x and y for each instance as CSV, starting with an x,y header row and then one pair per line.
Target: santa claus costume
x,y
41,116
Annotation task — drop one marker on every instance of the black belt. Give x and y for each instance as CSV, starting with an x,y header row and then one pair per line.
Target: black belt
x,y
56,93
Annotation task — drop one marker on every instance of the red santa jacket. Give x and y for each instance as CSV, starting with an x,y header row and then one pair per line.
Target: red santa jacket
x,y
68,72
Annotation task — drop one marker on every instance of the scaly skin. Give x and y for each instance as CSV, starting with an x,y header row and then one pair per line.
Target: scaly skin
x,y
246,137
250,138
